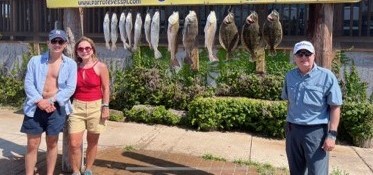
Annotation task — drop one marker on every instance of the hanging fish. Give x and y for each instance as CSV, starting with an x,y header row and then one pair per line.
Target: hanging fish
x,y
272,31
172,31
137,32
122,29
190,32
114,31
106,29
154,34
228,34
210,30
147,23
129,27
251,36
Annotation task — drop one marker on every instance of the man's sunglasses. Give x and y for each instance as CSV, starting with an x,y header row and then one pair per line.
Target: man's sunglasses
x,y
81,49
59,41
301,54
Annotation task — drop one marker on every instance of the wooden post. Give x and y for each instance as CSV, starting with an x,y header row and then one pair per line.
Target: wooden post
x,y
260,64
71,21
260,53
36,25
195,59
323,34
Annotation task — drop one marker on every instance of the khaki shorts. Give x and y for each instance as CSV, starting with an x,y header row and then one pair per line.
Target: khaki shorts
x,y
86,115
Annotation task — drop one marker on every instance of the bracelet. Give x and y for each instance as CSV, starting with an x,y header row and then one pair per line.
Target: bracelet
x,y
104,105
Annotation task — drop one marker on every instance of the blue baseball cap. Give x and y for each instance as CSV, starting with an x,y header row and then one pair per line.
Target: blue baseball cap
x,y
57,34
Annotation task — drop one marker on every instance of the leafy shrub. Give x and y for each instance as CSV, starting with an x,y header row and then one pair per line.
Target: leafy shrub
x,y
268,117
252,86
228,113
150,86
357,122
116,116
12,91
354,89
152,115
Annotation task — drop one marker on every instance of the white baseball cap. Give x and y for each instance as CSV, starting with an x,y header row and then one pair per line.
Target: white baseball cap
x,y
306,45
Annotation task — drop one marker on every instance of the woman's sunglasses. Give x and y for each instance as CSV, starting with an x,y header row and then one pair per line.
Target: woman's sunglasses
x,y
82,49
59,41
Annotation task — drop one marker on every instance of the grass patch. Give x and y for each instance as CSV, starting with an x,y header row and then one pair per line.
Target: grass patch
x,y
129,148
263,169
337,171
211,157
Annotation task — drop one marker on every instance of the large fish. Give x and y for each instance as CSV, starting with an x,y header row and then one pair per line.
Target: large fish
x,y
106,29
172,31
228,34
129,27
272,31
147,23
137,32
210,30
190,32
154,34
251,37
114,31
122,29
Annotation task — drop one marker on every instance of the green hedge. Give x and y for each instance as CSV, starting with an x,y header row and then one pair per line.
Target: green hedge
x,y
229,113
152,115
268,117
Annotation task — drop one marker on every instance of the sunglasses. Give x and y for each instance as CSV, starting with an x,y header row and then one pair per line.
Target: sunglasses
x,y
301,54
82,49
59,41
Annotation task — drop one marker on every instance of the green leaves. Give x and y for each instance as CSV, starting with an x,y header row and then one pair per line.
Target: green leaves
x,y
229,113
152,115
357,122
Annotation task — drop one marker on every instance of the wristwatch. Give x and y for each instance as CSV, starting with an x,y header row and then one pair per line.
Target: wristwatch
x,y
332,134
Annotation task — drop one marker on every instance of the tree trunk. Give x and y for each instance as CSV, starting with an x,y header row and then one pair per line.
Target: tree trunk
x,y
322,33
71,21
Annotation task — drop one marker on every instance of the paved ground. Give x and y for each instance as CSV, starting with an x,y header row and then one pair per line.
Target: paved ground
x,y
179,149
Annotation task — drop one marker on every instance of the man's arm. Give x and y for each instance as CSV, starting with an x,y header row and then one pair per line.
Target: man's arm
x,y
29,84
335,115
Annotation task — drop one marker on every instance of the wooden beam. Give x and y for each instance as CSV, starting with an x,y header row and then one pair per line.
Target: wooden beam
x,y
71,20
36,25
322,36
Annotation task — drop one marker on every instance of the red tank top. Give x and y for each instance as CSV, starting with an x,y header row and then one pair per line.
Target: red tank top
x,y
88,87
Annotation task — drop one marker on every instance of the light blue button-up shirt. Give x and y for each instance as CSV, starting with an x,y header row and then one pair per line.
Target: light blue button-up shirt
x,y
37,70
310,95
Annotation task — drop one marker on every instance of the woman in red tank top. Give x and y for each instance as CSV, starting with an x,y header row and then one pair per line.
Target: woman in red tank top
x,y
90,104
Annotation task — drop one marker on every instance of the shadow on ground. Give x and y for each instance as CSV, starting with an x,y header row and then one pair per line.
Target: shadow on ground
x,y
140,162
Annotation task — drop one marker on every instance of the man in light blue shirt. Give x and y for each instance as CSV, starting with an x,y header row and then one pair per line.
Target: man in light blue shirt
x,y
314,99
49,83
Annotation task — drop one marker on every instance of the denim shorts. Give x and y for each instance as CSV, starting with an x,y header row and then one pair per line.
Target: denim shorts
x,y
51,123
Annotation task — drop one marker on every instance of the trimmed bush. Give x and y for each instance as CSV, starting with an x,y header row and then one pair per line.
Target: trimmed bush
x,y
152,115
230,113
